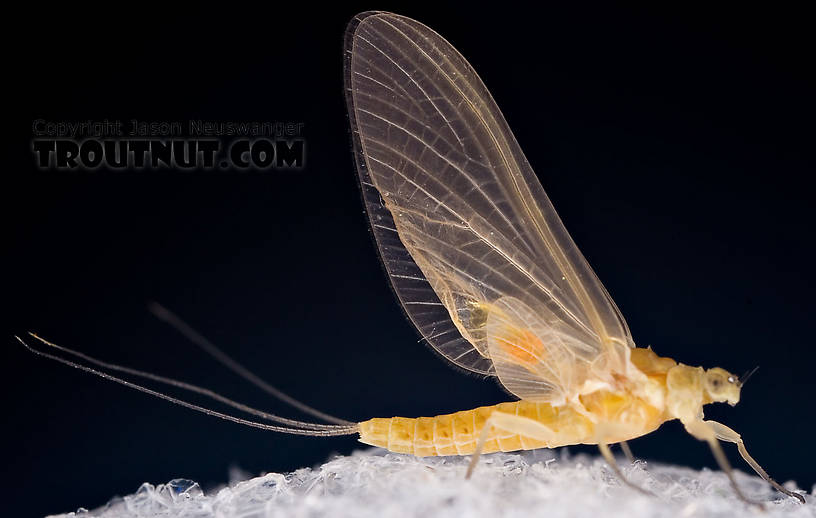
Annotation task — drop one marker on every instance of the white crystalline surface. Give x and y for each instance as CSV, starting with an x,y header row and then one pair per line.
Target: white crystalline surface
x,y
540,483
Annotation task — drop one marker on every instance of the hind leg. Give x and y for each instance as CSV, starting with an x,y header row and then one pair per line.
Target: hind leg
x,y
513,424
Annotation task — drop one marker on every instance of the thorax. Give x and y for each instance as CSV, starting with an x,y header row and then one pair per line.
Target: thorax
x,y
636,403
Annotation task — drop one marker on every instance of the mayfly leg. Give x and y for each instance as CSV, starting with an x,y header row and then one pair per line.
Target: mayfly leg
x,y
602,432
512,424
610,459
704,432
474,459
725,433
627,452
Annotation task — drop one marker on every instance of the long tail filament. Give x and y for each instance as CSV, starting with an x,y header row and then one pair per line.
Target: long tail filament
x,y
198,339
294,427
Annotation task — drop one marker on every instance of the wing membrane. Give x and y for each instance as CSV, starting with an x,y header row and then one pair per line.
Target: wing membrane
x,y
535,357
459,216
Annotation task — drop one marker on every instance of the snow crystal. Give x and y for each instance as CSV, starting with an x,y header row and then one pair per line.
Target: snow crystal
x,y
375,483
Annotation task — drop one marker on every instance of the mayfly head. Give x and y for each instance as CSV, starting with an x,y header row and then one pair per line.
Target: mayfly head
x,y
722,386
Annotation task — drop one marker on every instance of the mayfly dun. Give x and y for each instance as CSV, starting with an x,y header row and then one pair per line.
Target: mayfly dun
x,y
486,271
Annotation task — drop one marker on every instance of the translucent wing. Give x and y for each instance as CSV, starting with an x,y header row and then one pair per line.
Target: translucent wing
x,y
473,247
535,353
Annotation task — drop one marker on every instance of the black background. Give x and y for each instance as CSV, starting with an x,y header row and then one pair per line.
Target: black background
x,y
675,144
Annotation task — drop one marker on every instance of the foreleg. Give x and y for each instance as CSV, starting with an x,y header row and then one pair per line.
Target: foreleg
x,y
725,433
702,431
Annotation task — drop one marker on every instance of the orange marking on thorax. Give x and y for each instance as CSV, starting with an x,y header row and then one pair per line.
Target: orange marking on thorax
x,y
523,346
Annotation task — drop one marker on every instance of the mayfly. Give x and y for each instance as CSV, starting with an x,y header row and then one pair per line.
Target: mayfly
x,y
487,273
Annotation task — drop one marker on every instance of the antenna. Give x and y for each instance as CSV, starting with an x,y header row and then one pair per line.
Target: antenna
x,y
748,374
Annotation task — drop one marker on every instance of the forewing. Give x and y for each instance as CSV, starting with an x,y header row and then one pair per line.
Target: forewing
x,y
459,217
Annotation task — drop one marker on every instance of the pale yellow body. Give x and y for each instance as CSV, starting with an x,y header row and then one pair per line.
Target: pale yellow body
x,y
652,391
609,416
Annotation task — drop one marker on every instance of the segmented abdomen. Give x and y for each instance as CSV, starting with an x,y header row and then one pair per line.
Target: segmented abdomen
x,y
454,434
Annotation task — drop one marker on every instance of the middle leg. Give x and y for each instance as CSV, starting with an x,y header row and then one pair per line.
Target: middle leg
x,y
602,433
627,452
